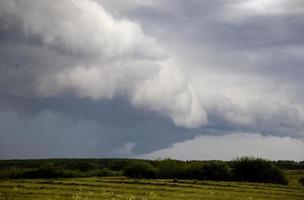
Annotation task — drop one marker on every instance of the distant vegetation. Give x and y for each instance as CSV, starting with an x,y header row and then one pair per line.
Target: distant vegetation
x,y
289,164
257,170
301,180
242,169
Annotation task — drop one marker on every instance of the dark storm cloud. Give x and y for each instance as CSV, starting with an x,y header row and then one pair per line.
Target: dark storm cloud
x,y
65,127
107,78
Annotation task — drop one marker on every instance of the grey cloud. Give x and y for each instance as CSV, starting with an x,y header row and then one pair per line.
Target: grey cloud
x,y
262,51
132,73
106,59
69,127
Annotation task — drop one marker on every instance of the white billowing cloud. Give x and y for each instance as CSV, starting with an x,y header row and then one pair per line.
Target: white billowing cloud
x,y
170,92
250,102
98,81
115,58
93,82
231,146
83,27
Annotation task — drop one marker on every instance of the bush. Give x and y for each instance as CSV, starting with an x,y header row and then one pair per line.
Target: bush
x,y
48,170
117,164
213,170
242,169
170,169
83,166
289,164
101,173
216,171
11,172
301,180
174,169
140,169
257,170
40,173
194,171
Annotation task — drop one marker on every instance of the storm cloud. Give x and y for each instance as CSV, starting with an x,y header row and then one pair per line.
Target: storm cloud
x,y
87,78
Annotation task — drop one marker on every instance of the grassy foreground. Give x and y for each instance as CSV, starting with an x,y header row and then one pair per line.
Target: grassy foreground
x,y
142,189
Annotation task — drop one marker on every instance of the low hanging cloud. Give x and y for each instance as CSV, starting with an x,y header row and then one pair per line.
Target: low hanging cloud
x,y
210,65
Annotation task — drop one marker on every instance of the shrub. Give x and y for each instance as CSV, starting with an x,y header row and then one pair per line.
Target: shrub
x,y
101,173
213,170
194,171
174,169
41,173
171,169
140,169
242,169
257,170
117,164
301,180
38,172
83,166
48,170
216,171
289,164
10,172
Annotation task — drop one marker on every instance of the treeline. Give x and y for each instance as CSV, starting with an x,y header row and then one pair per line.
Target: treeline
x,y
61,168
242,169
289,164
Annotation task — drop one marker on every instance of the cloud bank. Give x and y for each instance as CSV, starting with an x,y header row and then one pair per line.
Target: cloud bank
x,y
110,57
208,66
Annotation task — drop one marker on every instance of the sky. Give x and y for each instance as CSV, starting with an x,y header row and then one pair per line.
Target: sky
x,y
185,79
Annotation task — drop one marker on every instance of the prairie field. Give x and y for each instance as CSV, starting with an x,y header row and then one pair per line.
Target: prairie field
x,y
113,188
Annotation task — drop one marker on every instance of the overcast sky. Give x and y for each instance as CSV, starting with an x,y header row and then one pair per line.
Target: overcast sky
x,y
187,79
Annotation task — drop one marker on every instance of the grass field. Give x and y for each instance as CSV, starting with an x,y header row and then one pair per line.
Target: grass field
x,y
113,188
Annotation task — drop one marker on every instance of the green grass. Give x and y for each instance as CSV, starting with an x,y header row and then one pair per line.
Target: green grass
x,y
293,177
116,188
